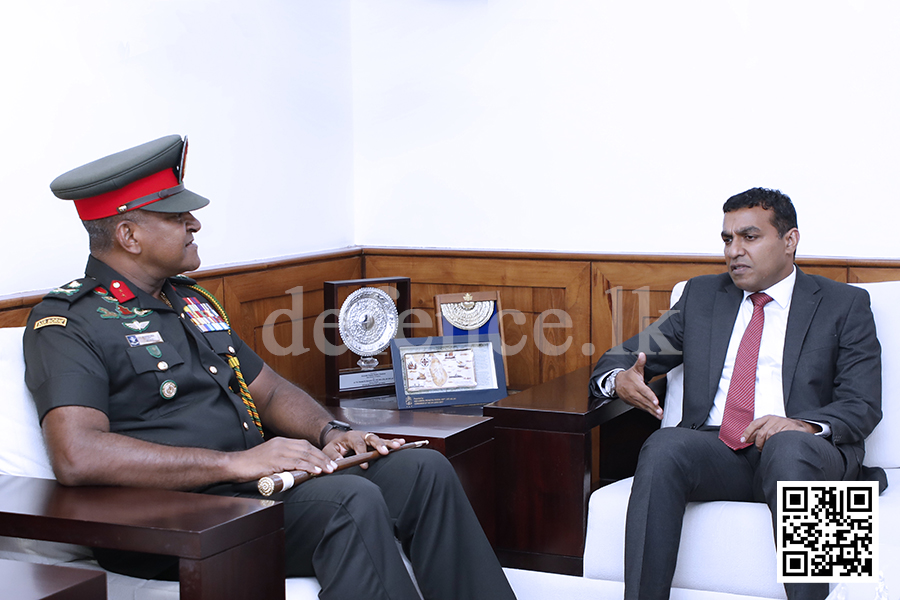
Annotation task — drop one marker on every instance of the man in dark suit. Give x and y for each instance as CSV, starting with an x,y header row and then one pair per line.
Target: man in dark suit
x,y
782,382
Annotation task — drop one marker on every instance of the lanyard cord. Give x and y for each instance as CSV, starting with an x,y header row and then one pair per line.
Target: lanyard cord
x,y
233,362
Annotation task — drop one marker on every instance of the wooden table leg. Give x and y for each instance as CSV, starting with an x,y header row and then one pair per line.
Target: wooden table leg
x,y
542,491
259,562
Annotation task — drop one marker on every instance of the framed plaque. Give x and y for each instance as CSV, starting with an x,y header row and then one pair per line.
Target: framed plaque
x,y
470,312
448,370
362,316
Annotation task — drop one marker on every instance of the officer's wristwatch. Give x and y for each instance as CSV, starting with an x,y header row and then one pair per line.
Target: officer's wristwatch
x,y
339,425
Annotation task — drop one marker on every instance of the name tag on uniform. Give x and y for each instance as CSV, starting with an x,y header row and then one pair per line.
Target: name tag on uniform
x,y
144,339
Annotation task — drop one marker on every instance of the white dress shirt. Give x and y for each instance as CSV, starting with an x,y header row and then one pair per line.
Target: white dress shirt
x,y
769,398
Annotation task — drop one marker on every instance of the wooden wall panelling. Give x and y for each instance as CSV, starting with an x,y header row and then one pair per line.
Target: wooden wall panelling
x,y
871,274
628,296
560,285
837,273
251,298
17,317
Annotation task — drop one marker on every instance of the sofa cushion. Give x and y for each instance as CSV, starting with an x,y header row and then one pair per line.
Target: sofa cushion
x,y
703,562
674,378
883,445
22,450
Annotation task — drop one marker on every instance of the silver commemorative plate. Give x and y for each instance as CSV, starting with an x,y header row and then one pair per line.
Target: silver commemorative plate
x,y
368,321
468,315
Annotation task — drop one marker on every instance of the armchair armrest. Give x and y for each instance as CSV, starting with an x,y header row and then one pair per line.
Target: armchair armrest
x,y
227,547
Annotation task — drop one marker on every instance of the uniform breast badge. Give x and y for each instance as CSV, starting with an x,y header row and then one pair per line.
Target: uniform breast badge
x,y
203,316
137,326
168,389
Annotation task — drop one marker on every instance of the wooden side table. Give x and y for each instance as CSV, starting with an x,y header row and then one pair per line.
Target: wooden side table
x,y
467,442
209,534
28,581
544,455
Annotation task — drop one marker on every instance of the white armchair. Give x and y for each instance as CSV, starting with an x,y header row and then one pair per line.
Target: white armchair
x,y
703,565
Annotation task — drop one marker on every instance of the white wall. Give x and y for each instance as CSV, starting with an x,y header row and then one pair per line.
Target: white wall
x,y
262,89
614,126
571,125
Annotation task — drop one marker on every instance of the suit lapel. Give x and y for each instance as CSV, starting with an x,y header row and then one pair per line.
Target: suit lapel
x,y
804,302
725,310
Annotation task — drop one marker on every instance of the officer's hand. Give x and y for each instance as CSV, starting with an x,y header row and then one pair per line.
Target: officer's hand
x,y
358,442
631,388
760,430
277,455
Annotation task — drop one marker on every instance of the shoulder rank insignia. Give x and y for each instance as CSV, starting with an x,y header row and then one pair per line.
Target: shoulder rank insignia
x,y
63,290
137,326
61,321
68,289
73,290
121,291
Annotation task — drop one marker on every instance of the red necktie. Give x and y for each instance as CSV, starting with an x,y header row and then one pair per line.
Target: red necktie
x,y
742,389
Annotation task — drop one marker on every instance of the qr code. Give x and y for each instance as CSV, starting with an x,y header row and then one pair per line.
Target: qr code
x,y
827,531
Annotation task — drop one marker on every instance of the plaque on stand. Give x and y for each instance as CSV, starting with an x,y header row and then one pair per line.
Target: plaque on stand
x,y
362,316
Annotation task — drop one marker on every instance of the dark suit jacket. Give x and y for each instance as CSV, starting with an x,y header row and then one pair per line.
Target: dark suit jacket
x,y
832,359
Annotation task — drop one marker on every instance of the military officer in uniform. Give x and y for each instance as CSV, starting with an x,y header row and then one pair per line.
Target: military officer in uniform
x,y
139,381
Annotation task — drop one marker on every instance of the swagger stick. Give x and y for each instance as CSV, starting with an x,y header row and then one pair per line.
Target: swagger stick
x,y
280,482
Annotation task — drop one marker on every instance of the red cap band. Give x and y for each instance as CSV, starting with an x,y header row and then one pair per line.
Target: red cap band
x,y
107,205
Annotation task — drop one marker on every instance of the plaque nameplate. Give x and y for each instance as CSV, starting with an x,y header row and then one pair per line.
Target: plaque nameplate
x,y
361,380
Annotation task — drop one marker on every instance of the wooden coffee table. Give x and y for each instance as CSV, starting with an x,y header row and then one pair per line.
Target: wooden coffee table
x,y
28,581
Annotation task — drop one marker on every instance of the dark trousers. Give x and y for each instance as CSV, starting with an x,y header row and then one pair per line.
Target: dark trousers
x,y
679,465
342,528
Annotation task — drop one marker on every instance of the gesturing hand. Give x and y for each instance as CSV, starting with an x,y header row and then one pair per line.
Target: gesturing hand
x,y
631,388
